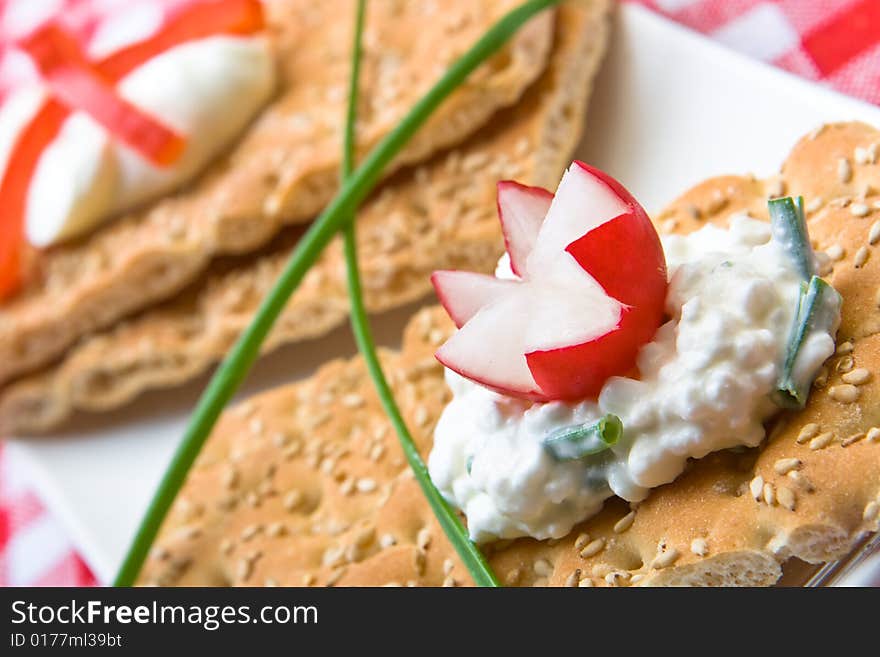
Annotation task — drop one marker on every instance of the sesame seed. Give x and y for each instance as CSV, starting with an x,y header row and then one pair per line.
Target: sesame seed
x,y
859,210
700,547
423,538
256,426
786,497
815,204
802,481
844,348
543,568
844,393
250,531
669,225
292,500
851,439
377,452
593,548
861,257
586,583
857,377
448,565
581,541
784,466
872,509
821,441
574,578
835,252
352,400
845,364
230,479
873,434
874,233
635,579
665,559
616,578
625,523
227,545
308,579
421,416
769,494
333,555
347,486
449,582
844,170
861,155
756,487
387,540
335,577
276,529
366,485
808,431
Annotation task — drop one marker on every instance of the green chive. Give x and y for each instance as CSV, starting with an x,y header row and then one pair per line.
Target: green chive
x,y
360,324
577,442
789,226
818,310
239,360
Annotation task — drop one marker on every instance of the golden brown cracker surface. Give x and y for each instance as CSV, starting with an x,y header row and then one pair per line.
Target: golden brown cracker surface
x,y
285,167
305,485
439,215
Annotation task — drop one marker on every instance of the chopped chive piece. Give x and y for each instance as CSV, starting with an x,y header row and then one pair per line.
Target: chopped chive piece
x,y
449,520
818,311
577,442
241,357
789,227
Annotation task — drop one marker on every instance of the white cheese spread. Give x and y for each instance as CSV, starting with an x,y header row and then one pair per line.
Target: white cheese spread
x,y
206,90
705,384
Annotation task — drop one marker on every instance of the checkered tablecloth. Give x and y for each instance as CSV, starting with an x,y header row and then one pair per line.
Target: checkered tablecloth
x,y
834,42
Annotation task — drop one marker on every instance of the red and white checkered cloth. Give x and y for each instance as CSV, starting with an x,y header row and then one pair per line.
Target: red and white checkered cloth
x,y
835,42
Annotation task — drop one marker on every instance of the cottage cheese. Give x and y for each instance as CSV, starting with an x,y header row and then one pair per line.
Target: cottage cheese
x,y
705,385
207,90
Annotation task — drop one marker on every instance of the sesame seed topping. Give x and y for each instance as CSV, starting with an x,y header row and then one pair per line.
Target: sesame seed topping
x,y
250,531
292,500
421,416
376,452
845,364
857,377
586,583
423,538
873,435
335,577
581,541
448,565
786,497
844,170
256,426
835,252
449,582
808,431
859,210
624,523
700,547
851,439
387,540
821,441
366,485
669,225
665,559
872,510
574,578
861,257
543,568
784,466
308,579
756,487
227,545
352,400
593,548
230,479
844,348
844,393
769,494
617,578
276,529
815,204
874,233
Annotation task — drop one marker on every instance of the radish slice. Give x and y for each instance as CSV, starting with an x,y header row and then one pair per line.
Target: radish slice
x,y
463,293
592,293
521,209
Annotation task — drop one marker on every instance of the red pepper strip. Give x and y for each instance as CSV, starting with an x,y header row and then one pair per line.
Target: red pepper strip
x,y
14,186
79,85
195,21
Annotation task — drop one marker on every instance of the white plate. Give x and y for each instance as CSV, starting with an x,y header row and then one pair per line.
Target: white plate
x,y
670,109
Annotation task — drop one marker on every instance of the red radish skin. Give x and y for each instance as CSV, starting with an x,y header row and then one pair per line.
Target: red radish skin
x,y
521,209
463,293
607,285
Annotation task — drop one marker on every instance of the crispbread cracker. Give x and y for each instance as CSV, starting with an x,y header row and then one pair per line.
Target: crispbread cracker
x,y
305,485
442,215
286,166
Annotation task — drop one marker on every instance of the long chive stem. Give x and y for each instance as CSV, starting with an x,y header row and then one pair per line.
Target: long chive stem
x,y
360,325
238,362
